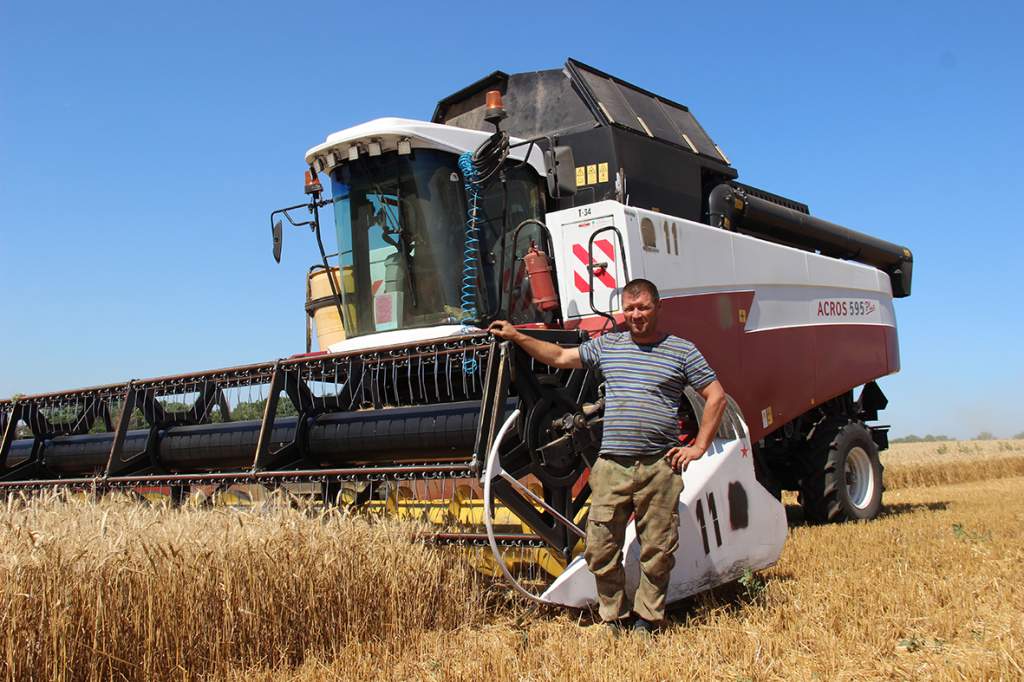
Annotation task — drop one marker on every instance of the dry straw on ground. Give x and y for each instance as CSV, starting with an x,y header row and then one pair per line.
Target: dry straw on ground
x,y
932,590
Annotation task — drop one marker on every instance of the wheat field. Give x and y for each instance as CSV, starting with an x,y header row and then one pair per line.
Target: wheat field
x,y
934,589
922,464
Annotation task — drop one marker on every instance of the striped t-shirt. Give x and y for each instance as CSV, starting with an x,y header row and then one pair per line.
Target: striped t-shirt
x,y
643,388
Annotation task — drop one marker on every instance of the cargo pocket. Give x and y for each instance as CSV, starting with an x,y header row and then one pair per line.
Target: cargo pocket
x,y
603,551
601,514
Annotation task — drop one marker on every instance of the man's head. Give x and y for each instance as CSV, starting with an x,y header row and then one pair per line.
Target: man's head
x,y
640,306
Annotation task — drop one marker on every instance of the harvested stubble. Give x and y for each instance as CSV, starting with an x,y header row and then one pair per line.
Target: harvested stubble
x,y
932,590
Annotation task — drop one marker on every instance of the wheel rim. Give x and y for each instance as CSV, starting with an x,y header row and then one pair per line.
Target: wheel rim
x,y
860,478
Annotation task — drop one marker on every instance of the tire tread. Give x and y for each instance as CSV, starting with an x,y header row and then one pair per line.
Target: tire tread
x,y
820,491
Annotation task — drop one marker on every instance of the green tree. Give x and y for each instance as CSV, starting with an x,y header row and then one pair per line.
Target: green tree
x,y
927,438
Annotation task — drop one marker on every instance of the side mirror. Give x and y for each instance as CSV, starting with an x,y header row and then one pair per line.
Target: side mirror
x,y
561,171
276,233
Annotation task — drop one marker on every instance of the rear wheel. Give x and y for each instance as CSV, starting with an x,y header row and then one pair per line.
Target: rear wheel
x,y
844,477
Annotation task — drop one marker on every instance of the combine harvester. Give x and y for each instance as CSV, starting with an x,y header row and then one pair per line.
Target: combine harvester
x,y
410,408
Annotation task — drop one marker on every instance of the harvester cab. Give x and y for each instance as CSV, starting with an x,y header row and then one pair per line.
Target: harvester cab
x,y
433,225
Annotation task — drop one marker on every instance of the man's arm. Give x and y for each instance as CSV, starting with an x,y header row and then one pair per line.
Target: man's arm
x,y
714,408
548,353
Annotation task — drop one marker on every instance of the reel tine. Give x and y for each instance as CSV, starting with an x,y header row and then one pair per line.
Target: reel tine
x,y
189,410
340,378
362,384
350,388
478,375
421,374
437,385
408,378
443,353
375,383
394,379
385,380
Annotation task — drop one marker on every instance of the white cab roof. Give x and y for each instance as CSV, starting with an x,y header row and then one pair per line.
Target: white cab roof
x,y
420,135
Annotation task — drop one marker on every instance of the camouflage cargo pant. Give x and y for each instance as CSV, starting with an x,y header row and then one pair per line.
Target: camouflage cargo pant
x,y
648,488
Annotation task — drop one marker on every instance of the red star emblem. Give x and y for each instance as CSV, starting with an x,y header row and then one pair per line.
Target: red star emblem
x,y
743,451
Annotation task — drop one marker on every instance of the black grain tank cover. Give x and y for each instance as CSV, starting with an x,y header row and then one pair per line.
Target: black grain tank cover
x,y
628,143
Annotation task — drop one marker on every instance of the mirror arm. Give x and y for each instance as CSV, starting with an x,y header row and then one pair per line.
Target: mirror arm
x,y
312,206
314,225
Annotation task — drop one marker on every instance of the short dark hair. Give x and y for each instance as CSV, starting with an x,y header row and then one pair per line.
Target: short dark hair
x,y
635,287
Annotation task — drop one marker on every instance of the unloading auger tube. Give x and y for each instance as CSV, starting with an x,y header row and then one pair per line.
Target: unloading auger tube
x,y
734,208
401,413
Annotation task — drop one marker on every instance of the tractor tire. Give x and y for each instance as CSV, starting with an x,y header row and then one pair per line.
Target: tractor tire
x,y
844,476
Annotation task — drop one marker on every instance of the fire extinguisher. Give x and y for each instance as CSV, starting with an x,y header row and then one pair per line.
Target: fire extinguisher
x,y
542,286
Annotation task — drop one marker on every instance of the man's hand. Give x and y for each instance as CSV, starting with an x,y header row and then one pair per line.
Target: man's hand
x,y
503,330
681,456
545,351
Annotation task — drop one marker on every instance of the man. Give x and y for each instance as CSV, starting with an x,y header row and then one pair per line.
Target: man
x,y
637,470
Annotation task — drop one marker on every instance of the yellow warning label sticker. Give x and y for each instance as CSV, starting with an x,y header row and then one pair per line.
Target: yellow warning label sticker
x,y
581,176
592,174
602,172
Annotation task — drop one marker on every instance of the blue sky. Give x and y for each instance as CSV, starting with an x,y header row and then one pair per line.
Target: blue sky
x,y
142,147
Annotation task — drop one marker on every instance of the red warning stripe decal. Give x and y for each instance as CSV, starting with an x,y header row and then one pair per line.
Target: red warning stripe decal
x,y
603,276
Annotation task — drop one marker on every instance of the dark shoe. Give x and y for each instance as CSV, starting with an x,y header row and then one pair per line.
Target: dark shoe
x,y
645,627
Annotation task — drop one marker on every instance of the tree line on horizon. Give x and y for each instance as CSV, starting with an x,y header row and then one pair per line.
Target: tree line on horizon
x,y
930,438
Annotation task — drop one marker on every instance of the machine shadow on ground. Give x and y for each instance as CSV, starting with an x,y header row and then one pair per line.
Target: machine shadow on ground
x,y
900,508
795,513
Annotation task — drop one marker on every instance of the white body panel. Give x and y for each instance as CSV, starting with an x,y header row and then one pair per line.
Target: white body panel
x,y
571,230
685,258
753,545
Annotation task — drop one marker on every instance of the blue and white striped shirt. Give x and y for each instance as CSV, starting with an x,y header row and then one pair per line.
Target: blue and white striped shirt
x,y
643,387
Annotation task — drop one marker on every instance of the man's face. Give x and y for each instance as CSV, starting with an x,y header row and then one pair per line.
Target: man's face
x,y
641,314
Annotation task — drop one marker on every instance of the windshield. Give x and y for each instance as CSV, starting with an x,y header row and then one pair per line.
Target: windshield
x,y
401,222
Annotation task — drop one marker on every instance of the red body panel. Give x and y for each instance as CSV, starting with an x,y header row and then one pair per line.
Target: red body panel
x,y
774,374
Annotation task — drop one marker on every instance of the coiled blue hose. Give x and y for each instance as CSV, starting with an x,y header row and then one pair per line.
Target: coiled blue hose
x,y
471,251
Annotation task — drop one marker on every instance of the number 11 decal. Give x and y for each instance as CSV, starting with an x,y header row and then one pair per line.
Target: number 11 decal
x,y
703,522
